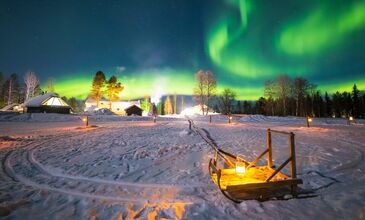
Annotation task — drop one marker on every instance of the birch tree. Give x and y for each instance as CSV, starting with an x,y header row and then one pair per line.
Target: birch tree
x,y
226,101
31,82
204,89
284,90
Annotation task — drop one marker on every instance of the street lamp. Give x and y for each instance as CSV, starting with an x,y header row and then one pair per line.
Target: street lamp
x,y
86,120
351,119
309,120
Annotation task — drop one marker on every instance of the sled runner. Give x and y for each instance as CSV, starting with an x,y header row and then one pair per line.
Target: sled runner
x,y
239,179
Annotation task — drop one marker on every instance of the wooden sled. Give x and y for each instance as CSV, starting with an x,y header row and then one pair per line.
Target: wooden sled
x,y
257,182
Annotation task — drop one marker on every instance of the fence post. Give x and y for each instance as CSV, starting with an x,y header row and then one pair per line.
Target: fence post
x,y
189,124
293,165
269,147
87,121
307,119
210,119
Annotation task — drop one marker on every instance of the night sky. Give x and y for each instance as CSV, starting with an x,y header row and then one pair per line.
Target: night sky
x,y
155,45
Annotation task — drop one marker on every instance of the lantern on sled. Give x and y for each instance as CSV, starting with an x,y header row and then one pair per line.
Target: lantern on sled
x,y
240,165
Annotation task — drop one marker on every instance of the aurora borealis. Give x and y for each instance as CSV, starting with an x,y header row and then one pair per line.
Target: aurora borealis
x,y
160,44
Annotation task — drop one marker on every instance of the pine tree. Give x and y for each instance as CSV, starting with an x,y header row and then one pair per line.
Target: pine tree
x,y
362,106
97,87
114,88
168,106
328,105
336,104
355,102
346,104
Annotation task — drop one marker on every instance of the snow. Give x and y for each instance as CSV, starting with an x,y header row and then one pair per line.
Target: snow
x,y
130,167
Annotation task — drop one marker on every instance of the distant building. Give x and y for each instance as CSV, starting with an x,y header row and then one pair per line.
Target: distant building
x,y
133,110
47,103
118,107
12,108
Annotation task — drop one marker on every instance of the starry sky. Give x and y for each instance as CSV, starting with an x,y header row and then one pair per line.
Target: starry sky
x,y
159,45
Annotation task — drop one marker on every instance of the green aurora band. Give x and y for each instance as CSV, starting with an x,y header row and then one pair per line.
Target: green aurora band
x,y
245,49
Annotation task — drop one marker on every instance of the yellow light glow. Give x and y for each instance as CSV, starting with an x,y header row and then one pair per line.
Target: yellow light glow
x,y
84,119
240,166
240,170
309,119
351,118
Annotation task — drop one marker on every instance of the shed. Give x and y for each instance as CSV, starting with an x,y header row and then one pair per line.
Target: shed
x,y
133,110
47,103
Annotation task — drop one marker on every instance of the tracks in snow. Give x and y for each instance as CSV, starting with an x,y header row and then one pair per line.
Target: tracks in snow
x,y
21,165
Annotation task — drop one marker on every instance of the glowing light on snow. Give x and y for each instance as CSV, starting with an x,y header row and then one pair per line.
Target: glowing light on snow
x,y
156,98
195,110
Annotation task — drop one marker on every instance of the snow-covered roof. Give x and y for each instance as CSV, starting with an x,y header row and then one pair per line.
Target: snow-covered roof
x,y
45,99
9,107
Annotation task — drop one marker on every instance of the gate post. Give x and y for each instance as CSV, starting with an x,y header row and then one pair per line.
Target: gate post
x,y
293,165
269,147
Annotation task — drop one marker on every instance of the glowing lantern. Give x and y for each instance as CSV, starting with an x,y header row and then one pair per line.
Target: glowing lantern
x,y
309,120
86,120
240,166
351,118
229,119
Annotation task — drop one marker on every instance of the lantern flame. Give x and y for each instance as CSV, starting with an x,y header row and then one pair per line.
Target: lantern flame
x,y
240,166
240,169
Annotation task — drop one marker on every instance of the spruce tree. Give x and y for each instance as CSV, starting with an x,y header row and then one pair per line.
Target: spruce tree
x,y
355,101
328,105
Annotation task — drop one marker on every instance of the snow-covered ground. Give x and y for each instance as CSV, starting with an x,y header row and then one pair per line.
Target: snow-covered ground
x,y
129,167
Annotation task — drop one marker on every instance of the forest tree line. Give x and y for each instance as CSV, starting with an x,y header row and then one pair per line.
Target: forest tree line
x,y
16,89
285,96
